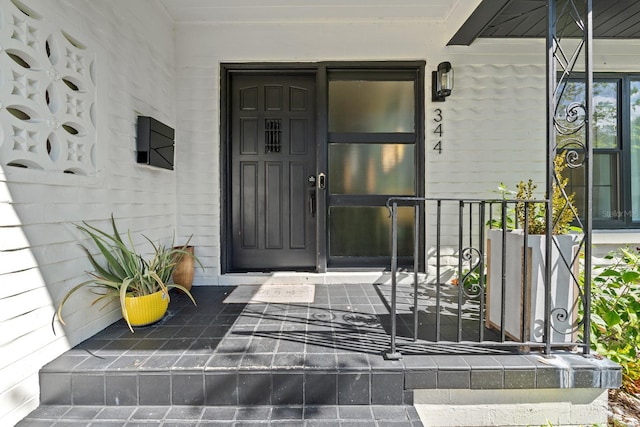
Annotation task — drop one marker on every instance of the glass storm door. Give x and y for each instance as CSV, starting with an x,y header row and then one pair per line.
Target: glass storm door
x,y
372,155
273,155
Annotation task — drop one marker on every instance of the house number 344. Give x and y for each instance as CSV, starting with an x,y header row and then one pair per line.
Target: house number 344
x,y
438,129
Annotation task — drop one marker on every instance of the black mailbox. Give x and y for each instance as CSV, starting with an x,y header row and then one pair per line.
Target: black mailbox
x,y
155,143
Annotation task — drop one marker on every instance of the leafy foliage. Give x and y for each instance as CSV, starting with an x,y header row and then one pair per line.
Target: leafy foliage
x,y
510,214
562,212
125,272
533,214
615,307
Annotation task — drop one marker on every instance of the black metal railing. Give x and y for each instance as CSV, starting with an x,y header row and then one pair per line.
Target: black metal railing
x,y
488,280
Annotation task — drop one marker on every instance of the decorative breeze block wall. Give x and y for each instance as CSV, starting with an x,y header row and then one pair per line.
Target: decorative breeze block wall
x,y
47,95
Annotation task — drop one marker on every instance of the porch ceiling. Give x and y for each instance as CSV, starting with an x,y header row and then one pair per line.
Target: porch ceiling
x,y
618,19
232,11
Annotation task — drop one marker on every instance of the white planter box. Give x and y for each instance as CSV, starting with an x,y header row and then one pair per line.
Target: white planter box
x,y
524,302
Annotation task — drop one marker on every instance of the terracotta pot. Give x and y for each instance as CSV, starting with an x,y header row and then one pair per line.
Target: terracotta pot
x,y
147,309
183,274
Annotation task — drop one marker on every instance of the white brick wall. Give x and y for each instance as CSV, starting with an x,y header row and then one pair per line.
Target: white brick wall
x,y
557,407
132,43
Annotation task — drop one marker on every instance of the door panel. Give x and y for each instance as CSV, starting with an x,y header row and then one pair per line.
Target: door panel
x,y
249,204
273,200
298,215
272,157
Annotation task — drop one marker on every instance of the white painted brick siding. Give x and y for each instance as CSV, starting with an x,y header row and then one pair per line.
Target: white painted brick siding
x,y
515,408
39,254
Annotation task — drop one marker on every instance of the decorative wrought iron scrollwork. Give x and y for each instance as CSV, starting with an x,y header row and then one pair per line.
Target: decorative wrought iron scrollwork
x,y
575,119
472,280
272,135
573,150
561,317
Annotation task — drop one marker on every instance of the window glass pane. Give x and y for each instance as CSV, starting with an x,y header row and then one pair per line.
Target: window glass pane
x,y
605,188
605,100
576,186
366,231
371,106
635,149
371,169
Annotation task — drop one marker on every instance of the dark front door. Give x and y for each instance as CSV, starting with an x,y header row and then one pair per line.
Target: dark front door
x,y
273,164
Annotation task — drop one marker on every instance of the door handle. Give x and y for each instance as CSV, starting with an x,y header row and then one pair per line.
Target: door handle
x,y
322,181
312,203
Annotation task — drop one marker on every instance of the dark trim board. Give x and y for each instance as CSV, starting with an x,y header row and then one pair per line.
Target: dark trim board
x,y
612,19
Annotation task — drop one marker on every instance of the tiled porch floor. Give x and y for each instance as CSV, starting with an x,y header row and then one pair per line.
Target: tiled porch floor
x,y
323,357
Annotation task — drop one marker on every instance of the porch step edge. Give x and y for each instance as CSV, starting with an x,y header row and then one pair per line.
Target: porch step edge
x,y
276,415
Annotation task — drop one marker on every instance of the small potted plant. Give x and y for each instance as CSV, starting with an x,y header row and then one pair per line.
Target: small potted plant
x,y
141,285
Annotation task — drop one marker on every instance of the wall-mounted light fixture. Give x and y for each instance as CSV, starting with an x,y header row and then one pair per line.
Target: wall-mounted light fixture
x,y
441,82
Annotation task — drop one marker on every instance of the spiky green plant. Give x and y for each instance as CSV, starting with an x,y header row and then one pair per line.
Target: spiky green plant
x,y
125,273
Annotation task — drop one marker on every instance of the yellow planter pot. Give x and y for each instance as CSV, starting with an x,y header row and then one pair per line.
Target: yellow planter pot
x,y
146,309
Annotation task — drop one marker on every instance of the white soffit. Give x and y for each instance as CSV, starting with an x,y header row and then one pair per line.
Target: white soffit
x,y
230,11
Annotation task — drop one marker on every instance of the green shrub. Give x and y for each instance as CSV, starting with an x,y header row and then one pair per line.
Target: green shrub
x,y
562,212
534,214
615,307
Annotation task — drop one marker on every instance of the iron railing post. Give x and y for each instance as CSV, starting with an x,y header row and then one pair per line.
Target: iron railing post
x,y
460,274
503,272
588,216
579,14
416,243
482,267
438,264
550,152
393,354
526,328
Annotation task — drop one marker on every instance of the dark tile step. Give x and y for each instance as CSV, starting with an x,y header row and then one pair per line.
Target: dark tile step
x,y
375,381
325,353
198,387
290,415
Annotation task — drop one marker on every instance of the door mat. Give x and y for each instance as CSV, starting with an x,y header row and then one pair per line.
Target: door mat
x,y
278,294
